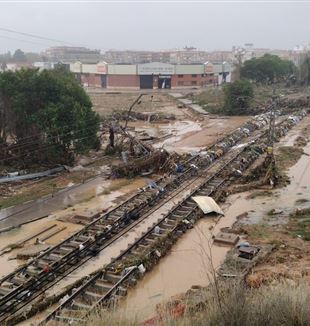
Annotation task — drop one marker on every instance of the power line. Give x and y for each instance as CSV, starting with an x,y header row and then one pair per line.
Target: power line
x,y
34,36
20,40
43,148
33,138
75,133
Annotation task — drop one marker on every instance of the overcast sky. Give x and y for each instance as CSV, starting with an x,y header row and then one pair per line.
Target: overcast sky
x,y
156,25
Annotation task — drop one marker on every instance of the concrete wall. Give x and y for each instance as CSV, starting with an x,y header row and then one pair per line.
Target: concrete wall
x,y
89,68
189,69
122,69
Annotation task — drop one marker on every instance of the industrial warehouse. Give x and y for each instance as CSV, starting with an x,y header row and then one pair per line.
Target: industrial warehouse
x,y
153,75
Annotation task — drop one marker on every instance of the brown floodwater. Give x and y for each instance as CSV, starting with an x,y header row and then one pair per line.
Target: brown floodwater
x,y
195,255
61,218
122,243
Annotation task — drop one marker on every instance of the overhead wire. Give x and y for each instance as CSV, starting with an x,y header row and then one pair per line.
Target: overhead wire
x,y
20,40
22,144
45,147
34,36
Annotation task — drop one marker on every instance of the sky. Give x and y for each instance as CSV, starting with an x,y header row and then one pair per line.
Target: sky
x,y
155,25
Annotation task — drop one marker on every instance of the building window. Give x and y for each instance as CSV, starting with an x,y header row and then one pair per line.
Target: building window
x,y
194,75
180,76
180,83
194,83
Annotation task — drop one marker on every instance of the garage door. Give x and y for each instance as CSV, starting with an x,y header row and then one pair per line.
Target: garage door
x,y
146,81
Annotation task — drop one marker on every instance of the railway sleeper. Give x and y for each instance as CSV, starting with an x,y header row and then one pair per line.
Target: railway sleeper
x,y
101,286
67,313
72,244
63,250
4,291
54,256
96,228
179,215
82,238
66,320
167,225
90,297
113,278
17,280
77,305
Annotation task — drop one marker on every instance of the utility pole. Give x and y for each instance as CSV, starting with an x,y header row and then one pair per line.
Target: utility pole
x,y
272,121
270,160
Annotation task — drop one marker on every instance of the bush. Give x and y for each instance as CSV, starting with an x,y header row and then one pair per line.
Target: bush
x,y
238,97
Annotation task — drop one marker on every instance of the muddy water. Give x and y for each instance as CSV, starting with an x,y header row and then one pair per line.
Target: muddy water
x,y
122,243
99,203
193,139
195,255
45,206
8,262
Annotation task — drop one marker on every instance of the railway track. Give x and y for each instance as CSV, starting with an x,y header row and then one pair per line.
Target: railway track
x,y
25,284
106,286
111,283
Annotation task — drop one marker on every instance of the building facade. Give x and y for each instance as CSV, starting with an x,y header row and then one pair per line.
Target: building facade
x,y
152,75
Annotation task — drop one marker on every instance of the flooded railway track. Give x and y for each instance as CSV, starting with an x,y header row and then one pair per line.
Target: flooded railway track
x,y
22,286
106,286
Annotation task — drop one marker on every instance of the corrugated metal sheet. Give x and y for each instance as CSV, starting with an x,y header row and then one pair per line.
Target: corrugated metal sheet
x,y
207,204
31,175
122,69
189,69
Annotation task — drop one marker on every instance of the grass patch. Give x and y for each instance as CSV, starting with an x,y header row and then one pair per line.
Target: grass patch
x,y
287,156
299,224
33,190
256,194
258,232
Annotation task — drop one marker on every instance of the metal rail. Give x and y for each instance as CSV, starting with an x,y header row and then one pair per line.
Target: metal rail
x,y
201,188
206,185
38,283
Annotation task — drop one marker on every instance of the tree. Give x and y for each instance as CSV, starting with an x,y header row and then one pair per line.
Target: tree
x,y
19,56
238,97
267,69
51,108
304,71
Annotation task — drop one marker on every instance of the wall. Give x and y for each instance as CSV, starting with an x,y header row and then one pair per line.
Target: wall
x,y
189,69
192,80
125,81
91,80
155,68
122,69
